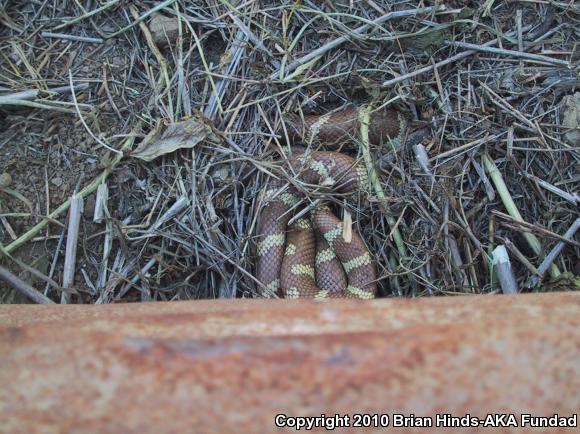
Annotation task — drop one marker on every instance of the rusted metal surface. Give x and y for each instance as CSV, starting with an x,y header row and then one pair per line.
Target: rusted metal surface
x,y
231,366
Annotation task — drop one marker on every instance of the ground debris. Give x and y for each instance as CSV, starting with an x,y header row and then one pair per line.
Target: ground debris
x,y
193,129
164,29
571,107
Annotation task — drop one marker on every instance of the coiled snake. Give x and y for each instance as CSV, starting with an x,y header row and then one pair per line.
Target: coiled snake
x,y
312,258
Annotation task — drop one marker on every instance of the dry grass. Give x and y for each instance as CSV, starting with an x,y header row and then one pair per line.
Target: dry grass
x,y
181,227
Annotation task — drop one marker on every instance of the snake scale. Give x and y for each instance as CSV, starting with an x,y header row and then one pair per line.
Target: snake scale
x,y
312,258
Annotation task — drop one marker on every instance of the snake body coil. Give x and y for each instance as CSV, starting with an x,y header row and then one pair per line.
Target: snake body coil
x,y
341,128
313,258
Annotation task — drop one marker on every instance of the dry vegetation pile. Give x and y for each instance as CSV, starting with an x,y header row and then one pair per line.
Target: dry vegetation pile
x,y
87,86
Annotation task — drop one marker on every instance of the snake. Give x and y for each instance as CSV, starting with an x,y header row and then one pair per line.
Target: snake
x,y
313,257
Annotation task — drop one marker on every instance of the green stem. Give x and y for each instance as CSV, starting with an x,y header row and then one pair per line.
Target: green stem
x,y
512,209
364,118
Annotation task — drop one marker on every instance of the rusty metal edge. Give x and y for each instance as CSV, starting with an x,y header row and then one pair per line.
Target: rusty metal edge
x,y
232,366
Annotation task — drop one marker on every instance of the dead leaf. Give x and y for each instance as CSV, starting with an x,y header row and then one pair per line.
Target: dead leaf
x,y
166,138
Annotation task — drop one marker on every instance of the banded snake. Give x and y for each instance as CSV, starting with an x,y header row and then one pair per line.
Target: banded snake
x,y
312,258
